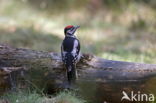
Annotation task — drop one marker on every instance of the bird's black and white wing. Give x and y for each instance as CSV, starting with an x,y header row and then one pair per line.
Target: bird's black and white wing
x,y
76,50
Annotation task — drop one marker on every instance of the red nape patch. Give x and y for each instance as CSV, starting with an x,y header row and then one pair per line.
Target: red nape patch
x,y
69,26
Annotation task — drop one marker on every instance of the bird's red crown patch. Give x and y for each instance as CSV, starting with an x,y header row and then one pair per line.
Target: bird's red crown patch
x,y
69,26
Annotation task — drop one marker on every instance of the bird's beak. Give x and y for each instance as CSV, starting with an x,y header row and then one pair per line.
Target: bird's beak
x,y
76,27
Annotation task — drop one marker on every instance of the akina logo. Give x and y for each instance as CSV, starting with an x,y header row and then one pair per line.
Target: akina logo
x,y
137,96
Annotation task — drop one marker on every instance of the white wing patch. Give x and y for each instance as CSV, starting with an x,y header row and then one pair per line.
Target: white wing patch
x,y
74,51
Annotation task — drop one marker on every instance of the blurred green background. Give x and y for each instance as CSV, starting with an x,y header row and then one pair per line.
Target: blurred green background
x,y
112,29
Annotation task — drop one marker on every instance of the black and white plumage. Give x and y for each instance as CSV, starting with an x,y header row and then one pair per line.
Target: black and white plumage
x,y
70,51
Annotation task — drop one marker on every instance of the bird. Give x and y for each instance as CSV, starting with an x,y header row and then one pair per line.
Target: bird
x,y
70,52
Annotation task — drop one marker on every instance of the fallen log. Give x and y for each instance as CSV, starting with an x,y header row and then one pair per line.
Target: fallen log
x,y
45,69
89,68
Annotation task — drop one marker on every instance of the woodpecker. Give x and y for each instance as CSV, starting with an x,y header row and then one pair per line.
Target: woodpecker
x,y
70,52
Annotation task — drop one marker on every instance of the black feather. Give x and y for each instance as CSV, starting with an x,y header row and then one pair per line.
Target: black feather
x,y
70,67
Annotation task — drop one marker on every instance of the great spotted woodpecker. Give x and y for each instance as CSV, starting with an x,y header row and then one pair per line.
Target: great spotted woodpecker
x,y
70,52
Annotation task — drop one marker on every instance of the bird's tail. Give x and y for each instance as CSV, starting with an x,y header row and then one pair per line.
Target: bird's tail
x,y
71,68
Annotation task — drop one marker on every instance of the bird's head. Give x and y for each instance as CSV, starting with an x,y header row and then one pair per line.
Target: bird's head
x,y
70,30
